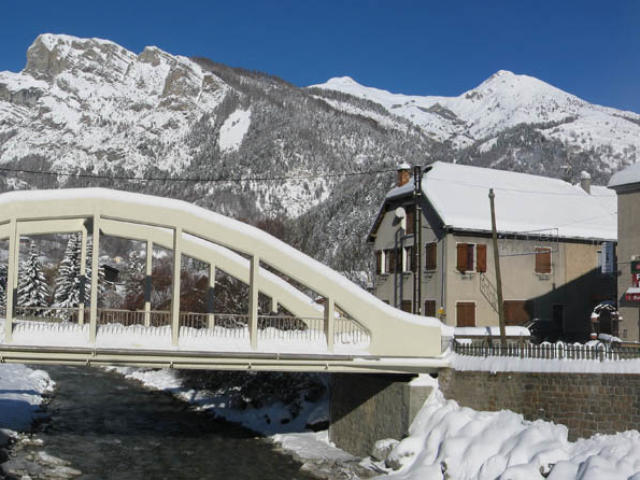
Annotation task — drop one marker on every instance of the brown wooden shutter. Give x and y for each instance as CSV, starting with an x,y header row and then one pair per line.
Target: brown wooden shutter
x,y
379,262
466,314
461,264
543,260
393,256
430,308
515,312
407,306
431,256
481,257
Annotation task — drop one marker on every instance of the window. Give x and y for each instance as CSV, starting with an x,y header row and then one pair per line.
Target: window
x,y
430,308
379,262
471,257
515,312
407,306
543,260
409,260
390,261
431,256
466,314
411,218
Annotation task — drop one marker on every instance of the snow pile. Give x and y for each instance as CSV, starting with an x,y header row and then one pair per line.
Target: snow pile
x,y
447,441
21,391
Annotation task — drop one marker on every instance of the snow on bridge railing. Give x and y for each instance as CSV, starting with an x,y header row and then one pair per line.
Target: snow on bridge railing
x,y
595,351
271,328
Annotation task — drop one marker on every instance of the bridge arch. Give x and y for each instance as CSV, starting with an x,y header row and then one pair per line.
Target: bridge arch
x,y
212,238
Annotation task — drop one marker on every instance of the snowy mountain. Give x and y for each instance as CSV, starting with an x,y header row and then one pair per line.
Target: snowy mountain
x,y
90,106
477,118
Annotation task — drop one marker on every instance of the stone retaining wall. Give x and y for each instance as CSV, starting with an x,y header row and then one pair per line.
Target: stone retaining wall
x,y
586,403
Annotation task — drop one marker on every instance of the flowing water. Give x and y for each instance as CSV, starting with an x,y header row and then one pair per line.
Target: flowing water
x,y
111,428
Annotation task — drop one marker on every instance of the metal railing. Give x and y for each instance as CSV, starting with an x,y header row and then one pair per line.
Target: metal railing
x,y
596,352
299,329
48,314
226,325
348,331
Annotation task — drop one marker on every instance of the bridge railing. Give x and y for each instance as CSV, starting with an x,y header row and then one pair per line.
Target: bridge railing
x,y
224,325
48,314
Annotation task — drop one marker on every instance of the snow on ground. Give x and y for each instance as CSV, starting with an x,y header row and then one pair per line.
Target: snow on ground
x,y
447,441
233,130
21,390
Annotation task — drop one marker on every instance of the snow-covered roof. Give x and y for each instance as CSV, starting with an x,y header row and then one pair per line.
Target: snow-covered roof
x,y
525,204
626,176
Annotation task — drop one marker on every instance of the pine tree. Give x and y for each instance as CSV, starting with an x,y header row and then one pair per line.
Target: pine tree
x,y
68,281
134,278
3,284
33,290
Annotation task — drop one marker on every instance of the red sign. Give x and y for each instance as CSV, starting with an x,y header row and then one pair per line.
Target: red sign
x,y
632,297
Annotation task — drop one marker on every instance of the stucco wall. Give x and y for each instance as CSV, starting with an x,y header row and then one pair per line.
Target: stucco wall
x,y
628,245
574,281
585,403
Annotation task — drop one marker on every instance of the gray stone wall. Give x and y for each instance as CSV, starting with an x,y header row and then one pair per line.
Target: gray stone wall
x,y
365,408
585,403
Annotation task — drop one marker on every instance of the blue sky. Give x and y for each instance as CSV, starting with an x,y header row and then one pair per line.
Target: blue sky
x,y
589,48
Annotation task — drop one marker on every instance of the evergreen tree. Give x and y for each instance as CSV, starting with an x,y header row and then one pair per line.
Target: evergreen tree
x,y
68,281
3,285
134,281
33,290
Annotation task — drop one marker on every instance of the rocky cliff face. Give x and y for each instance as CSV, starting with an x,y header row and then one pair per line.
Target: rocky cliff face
x,y
89,106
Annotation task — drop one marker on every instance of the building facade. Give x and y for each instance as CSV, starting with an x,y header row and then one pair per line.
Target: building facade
x,y
626,183
545,273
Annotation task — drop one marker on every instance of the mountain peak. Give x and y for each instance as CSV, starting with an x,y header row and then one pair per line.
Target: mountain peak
x,y
51,54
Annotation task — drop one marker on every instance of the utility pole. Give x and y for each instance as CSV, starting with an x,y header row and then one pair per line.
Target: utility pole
x,y
417,240
496,258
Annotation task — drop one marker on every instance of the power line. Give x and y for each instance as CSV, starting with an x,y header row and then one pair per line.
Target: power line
x,y
258,179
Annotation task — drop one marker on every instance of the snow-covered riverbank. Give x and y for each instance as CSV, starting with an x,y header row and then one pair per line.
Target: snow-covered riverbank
x,y
445,441
21,393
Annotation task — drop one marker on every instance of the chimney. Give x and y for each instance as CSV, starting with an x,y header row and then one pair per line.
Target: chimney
x,y
585,181
404,174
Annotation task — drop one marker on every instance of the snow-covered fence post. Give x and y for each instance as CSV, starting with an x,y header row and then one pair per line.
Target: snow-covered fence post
x,y
329,322
211,321
147,283
12,270
253,301
83,272
175,292
95,272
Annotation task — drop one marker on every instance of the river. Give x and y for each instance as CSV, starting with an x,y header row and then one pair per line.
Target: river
x,y
110,428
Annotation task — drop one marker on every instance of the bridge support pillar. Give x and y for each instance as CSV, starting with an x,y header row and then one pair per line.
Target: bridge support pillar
x,y
365,408
95,256
175,292
12,270
147,283
253,301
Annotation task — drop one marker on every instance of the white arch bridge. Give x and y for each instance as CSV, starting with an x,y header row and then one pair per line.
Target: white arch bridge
x,y
349,331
